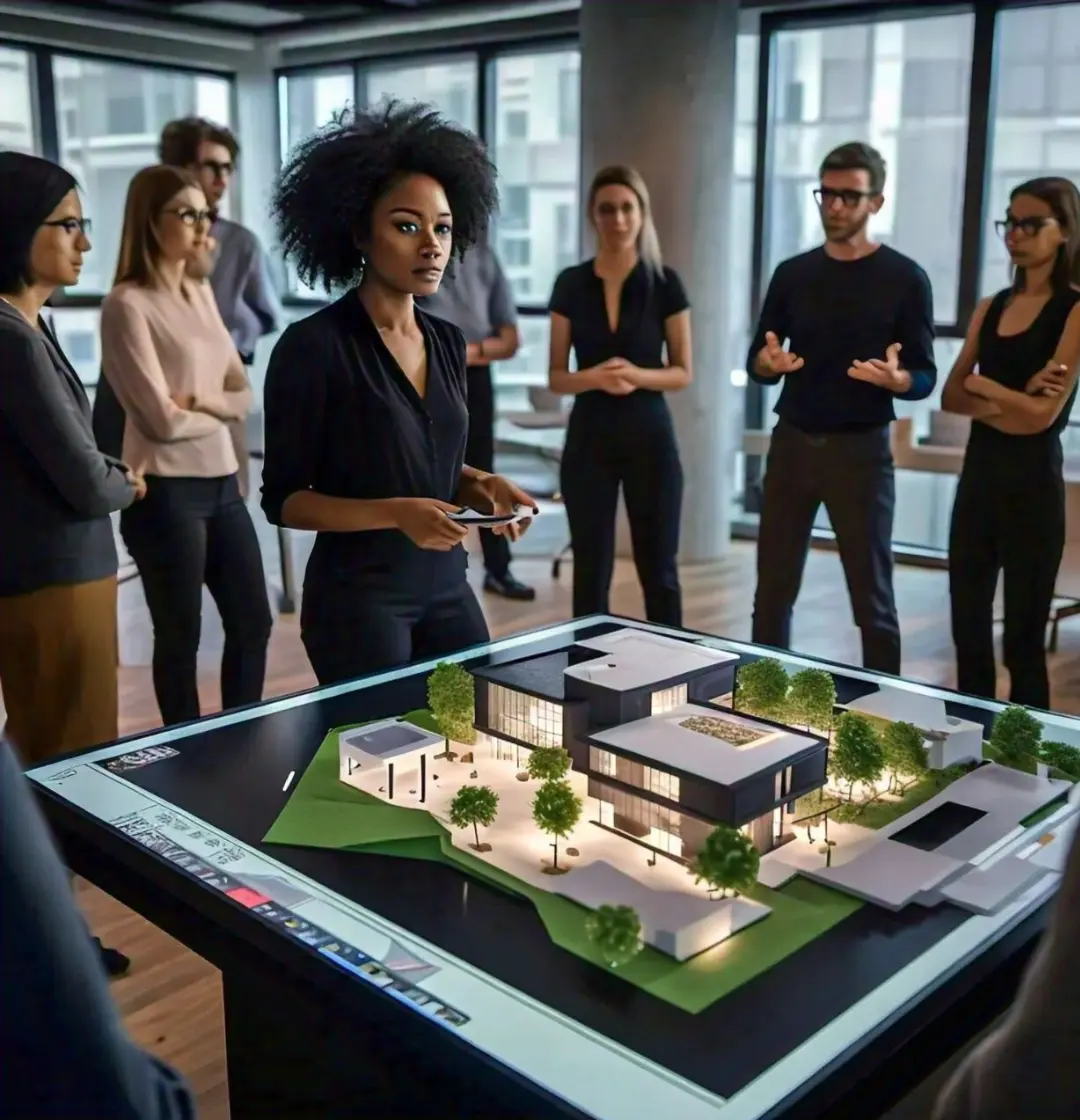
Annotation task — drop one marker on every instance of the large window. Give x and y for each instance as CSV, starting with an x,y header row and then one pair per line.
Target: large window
x,y
534,133
1035,115
451,87
16,101
903,87
525,718
109,117
308,101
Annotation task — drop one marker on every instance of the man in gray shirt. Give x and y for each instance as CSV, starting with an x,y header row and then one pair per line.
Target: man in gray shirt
x,y
475,296
241,278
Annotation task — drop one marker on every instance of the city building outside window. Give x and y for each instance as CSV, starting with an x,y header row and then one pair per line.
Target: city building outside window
x,y
17,131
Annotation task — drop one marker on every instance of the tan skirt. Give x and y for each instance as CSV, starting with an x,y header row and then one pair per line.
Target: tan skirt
x,y
58,657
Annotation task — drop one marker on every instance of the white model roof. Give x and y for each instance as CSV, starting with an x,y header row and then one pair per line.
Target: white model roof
x,y
637,658
662,739
388,740
927,713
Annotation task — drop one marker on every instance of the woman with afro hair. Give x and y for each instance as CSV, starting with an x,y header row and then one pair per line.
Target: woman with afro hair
x,y
365,401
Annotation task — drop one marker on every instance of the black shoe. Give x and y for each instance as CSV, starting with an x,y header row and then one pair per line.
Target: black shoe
x,y
508,587
116,963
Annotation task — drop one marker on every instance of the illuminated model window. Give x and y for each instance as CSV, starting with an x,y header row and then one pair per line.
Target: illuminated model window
x,y
528,718
633,773
667,698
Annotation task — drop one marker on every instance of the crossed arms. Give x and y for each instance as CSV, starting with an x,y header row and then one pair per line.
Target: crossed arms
x,y
1015,413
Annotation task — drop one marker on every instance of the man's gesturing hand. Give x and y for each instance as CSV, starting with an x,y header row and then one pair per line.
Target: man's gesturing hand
x,y
887,374
773,360
424,522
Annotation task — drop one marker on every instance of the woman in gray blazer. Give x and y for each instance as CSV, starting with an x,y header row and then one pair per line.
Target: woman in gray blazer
x,y
58,562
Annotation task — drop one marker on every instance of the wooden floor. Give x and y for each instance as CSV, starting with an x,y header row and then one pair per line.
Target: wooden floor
x,y
172,1000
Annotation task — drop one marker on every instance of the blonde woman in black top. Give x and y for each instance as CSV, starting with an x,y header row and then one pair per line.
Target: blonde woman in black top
x,y
1009,515
626,318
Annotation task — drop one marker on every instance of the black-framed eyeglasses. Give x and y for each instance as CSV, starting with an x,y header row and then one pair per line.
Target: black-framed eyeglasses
x,y
1029,227
71,225
825,196
191,217
217,169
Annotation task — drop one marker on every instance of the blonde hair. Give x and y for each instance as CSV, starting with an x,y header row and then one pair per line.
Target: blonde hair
x,y
648,243
148,194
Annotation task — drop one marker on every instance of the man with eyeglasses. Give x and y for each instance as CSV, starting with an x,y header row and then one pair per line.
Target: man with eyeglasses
x,y
240,277
845,330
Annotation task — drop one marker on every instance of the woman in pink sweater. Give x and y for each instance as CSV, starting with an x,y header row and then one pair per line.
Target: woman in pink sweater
x,y
168,356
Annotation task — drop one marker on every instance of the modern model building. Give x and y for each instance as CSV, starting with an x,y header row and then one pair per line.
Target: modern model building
x,y
392,747
949,740
638,713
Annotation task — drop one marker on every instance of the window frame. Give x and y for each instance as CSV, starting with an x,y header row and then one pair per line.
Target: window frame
x,y
976,165
46,119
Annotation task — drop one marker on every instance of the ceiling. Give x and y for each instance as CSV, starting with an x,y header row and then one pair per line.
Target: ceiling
x,y
256,15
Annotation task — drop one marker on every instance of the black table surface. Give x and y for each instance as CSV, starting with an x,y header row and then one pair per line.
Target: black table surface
x,y
229,772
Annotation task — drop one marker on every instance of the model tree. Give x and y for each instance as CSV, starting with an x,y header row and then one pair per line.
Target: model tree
x,y
556,810
811,699
761,688
857,754
475,806
1015,736
548,764
727,861
1061,757
451,700
904,751
615,931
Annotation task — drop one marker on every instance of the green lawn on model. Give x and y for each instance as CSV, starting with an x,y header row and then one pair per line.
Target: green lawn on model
x,y
324,812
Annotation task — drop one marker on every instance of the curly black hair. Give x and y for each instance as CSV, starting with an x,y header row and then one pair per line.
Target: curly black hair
x,y
329,185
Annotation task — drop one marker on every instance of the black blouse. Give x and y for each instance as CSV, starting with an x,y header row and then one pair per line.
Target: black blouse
x,y
1012,360
646,303
341,418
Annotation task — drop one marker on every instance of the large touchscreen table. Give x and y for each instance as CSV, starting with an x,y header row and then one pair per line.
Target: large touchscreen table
x,y
643,871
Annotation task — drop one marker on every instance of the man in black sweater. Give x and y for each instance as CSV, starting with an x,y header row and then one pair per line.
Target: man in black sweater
x,y
858,319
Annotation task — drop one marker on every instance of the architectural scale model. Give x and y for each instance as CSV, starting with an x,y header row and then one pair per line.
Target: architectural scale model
x,y
673,791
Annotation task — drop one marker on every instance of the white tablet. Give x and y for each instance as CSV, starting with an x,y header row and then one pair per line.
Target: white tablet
x,y
475,517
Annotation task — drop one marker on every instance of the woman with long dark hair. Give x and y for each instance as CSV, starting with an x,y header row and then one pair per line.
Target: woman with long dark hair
x,y
627,319
168,356
365,400
1016,378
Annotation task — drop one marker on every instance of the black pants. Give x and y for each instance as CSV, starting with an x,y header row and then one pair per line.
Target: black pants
x,y
852,473
381,628
1018,530
184,533
643,458
480,453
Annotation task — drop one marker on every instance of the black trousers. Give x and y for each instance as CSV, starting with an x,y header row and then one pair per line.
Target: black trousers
x,y
382,628
480,453
852,473
184,533
1004,527
642,458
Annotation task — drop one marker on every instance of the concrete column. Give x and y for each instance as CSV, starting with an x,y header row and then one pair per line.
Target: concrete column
x,y
658,93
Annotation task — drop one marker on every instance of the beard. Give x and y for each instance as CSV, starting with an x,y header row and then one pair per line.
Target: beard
x,y
845,230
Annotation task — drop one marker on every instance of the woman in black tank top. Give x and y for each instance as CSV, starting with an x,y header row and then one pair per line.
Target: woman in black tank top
x,y
1009,514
